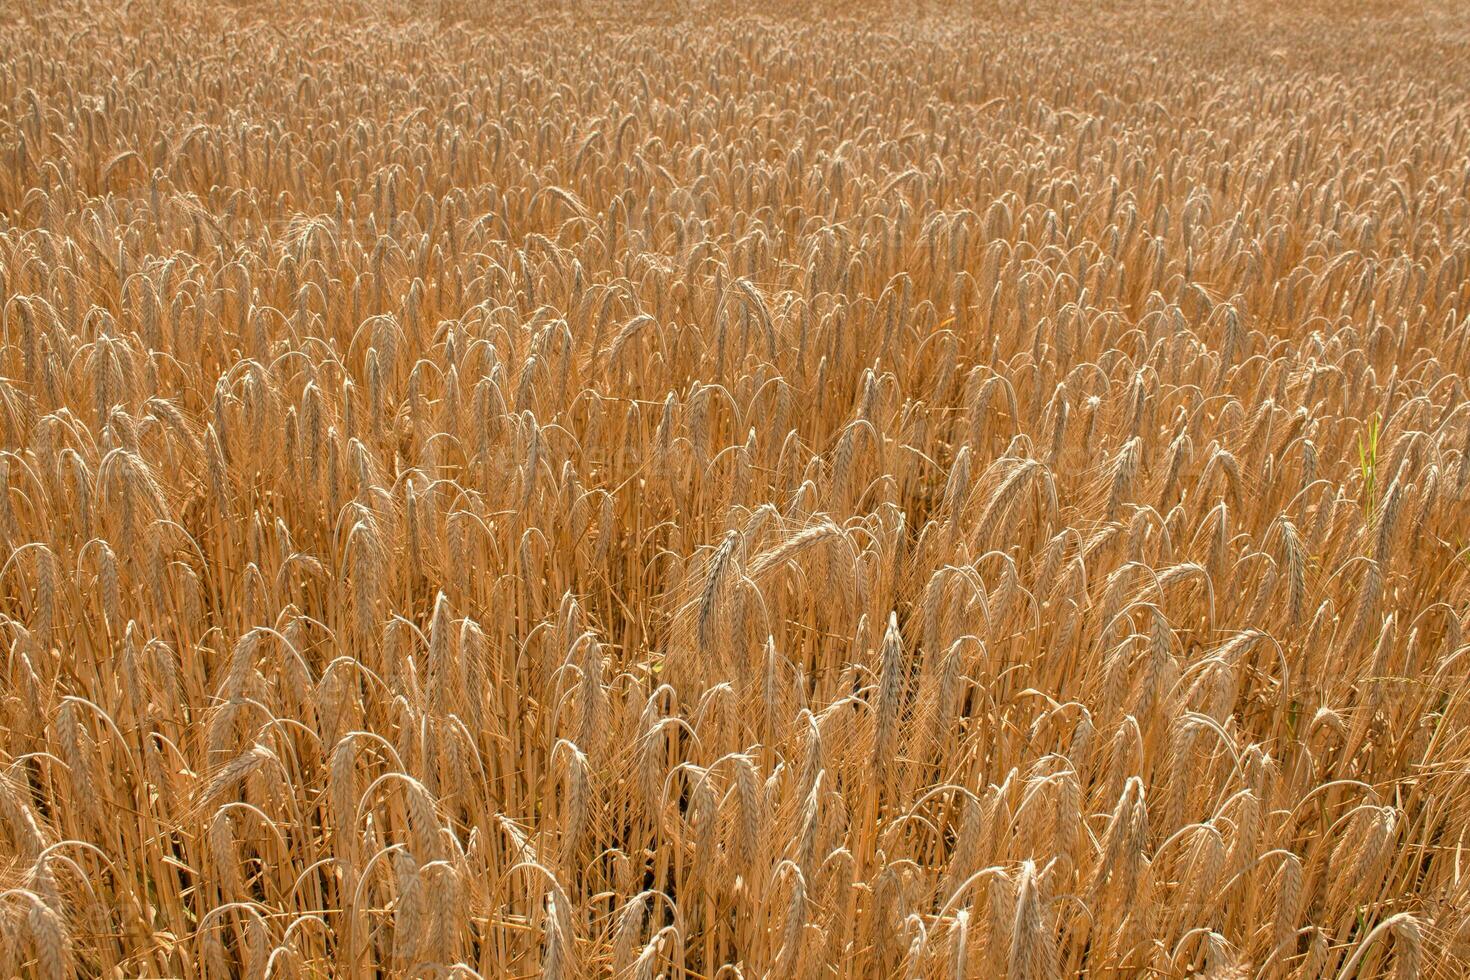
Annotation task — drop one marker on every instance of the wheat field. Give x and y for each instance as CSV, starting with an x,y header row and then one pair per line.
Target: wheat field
x,y
703,492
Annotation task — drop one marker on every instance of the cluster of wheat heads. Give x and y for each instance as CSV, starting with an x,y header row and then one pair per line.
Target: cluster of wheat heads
x,y
701,497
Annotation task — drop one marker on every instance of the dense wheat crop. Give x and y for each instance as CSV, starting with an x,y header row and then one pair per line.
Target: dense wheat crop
x,y
661,491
